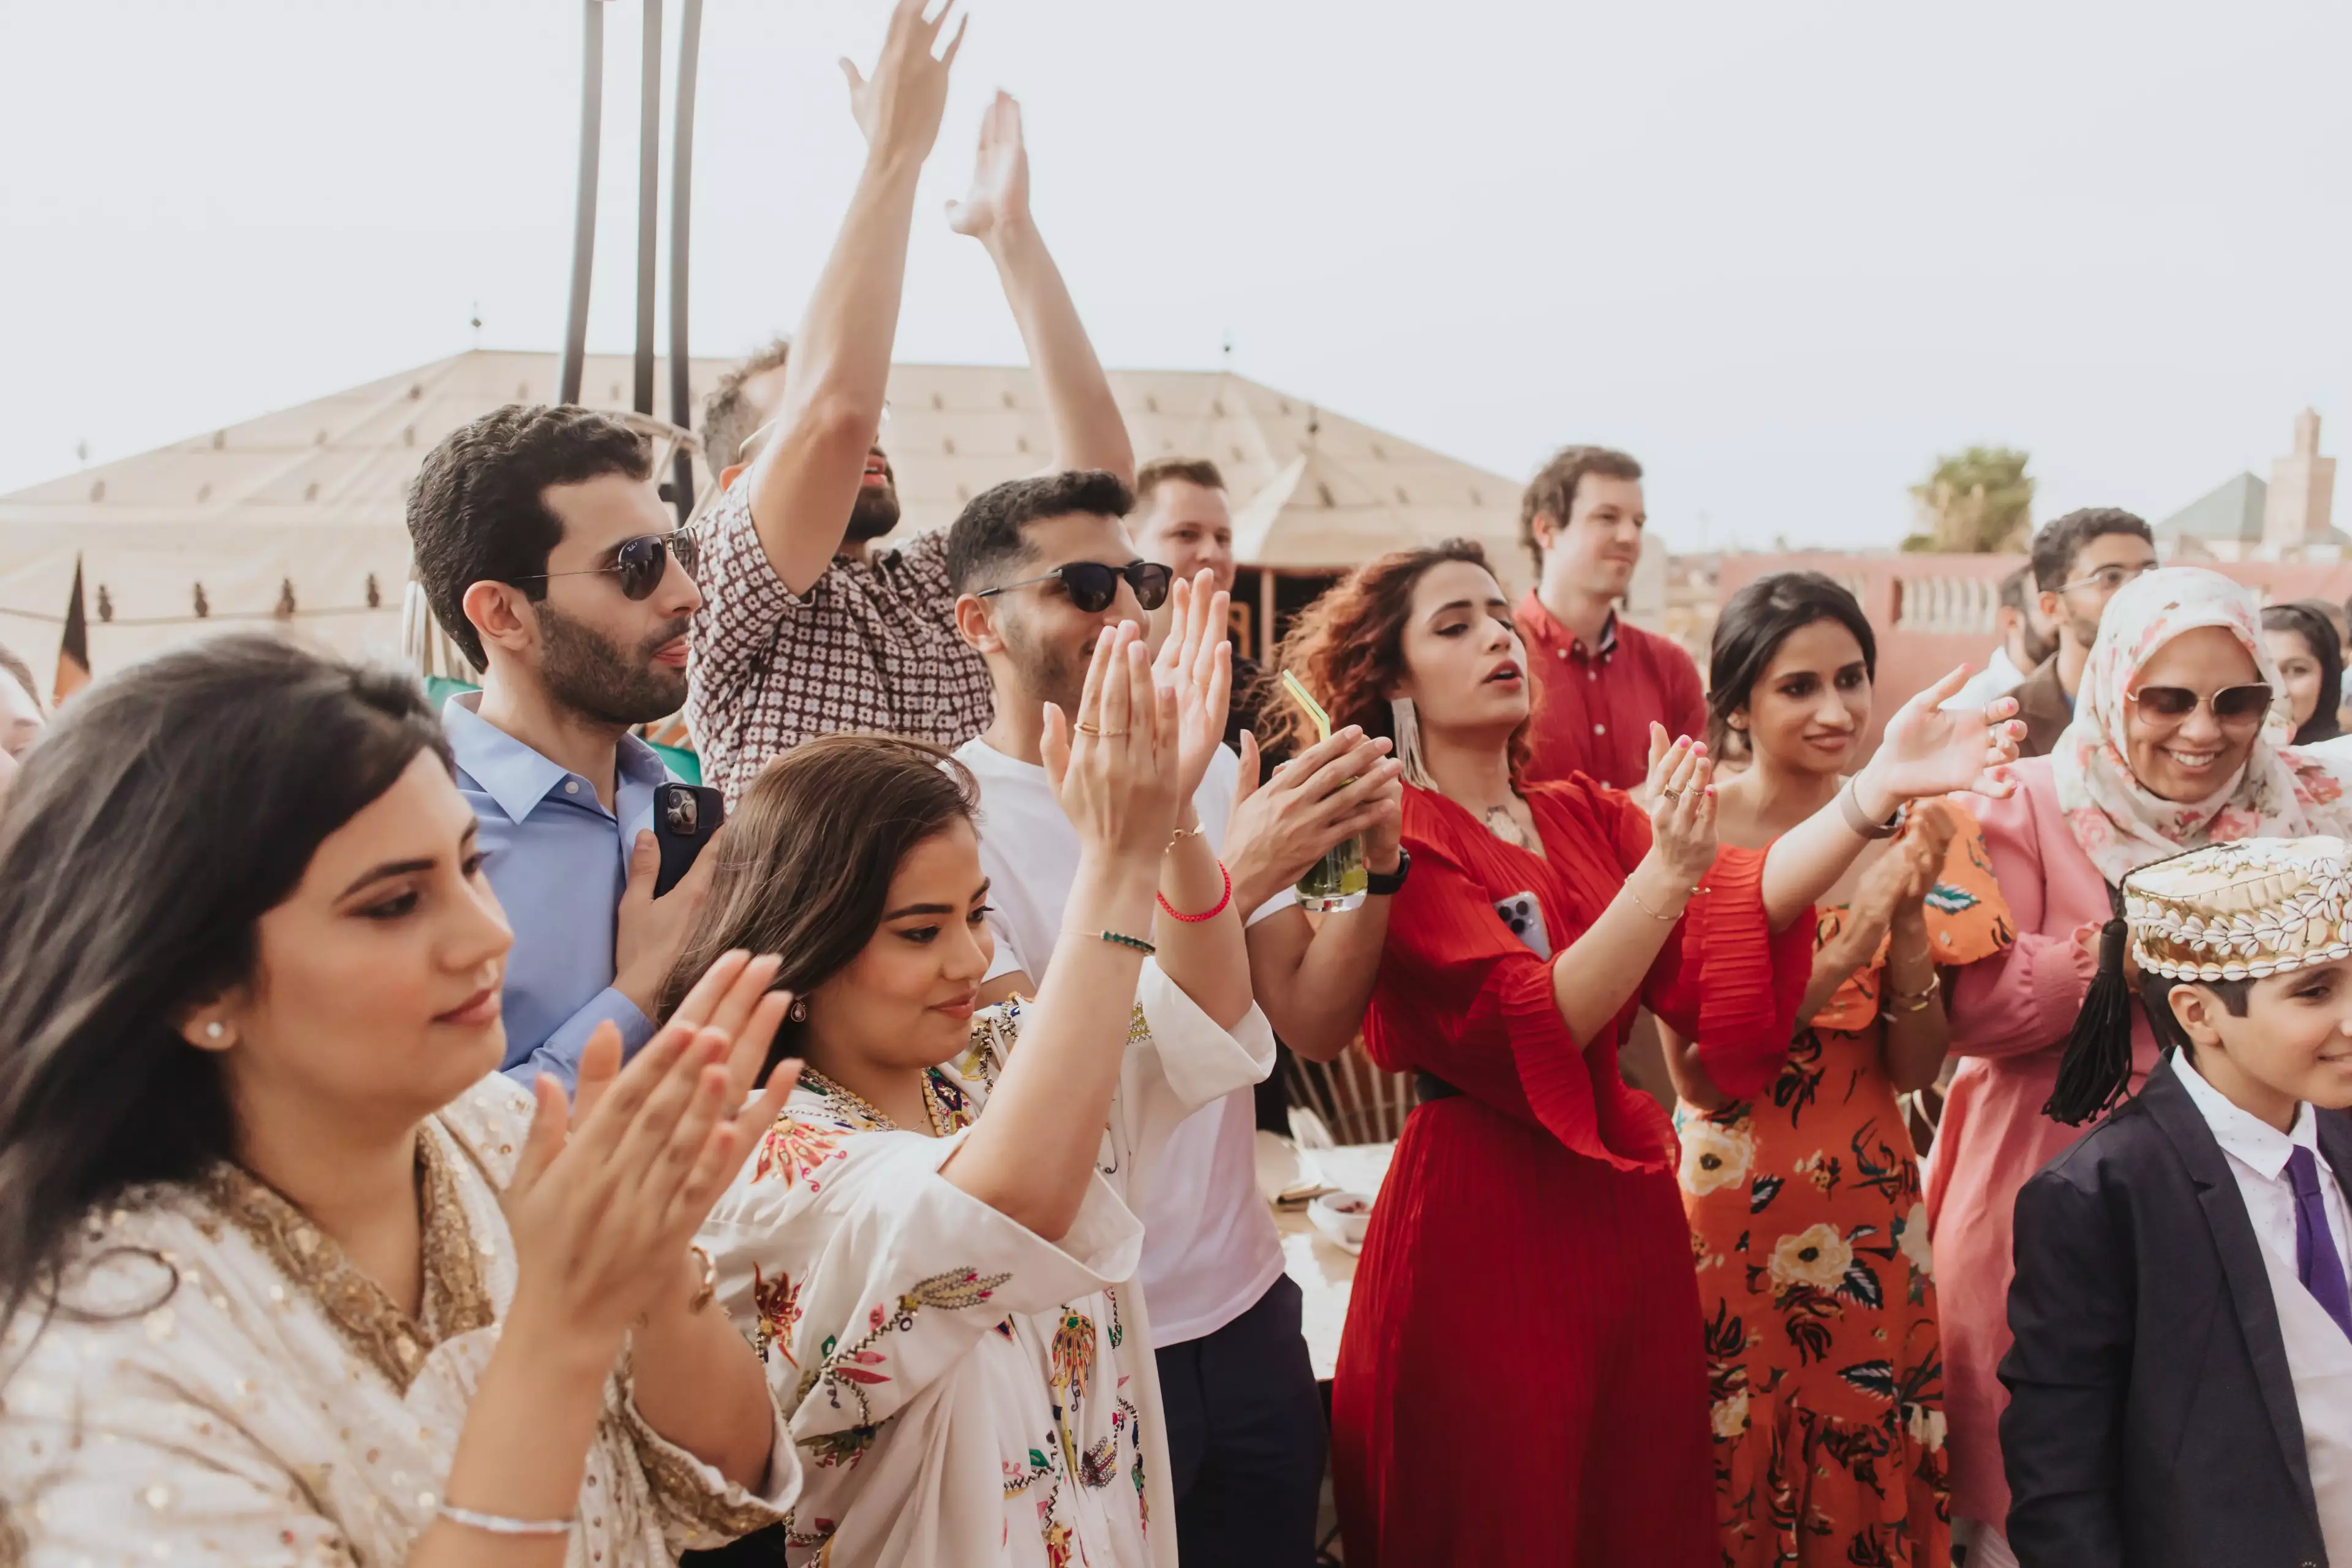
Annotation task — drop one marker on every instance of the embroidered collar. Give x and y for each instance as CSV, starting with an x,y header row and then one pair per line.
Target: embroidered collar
x,y
455,1299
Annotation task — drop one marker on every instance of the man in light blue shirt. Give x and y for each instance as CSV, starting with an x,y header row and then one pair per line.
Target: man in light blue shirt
x,y
552,562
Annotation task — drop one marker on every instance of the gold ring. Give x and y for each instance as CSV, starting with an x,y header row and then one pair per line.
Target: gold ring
x,y
1670,793
1100,734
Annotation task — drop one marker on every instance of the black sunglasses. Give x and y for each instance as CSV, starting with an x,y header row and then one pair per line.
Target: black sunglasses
x,y
1092,585
640,562
2231,705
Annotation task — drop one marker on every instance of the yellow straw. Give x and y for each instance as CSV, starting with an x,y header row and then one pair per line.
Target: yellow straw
x,y
1314,710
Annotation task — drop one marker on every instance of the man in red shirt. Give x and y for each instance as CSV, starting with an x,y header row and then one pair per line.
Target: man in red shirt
x,y
1598,680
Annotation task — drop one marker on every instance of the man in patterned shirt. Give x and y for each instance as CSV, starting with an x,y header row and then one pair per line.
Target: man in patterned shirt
x,y
807,626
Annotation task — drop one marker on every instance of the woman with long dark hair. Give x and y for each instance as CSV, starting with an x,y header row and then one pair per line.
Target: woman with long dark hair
x,y
1523,1377
936,1248
290,1272
2311,666
1823,1359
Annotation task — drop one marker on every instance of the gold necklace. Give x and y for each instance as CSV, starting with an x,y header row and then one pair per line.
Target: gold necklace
x,y
942,1122
1505,827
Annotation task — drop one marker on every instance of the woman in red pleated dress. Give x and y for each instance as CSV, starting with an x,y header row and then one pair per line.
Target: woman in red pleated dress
x,y
1523,1378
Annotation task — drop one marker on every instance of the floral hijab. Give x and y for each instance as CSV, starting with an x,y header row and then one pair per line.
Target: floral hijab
x,y
2282,792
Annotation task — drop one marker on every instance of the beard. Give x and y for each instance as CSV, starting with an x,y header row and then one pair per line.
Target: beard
x,y
876,511
587,673
1048,674
2036,646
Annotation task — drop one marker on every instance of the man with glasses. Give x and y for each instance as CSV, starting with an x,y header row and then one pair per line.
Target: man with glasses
x,y
1042,568
813,626
550,560
2078,563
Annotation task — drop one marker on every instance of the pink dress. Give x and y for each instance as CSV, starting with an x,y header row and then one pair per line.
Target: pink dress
x,y
2010,1014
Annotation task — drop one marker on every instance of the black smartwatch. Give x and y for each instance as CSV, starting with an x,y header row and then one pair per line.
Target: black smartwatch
x,y
1378,886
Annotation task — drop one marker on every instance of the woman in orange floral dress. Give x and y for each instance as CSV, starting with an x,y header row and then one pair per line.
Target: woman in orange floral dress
x,y
1823,1358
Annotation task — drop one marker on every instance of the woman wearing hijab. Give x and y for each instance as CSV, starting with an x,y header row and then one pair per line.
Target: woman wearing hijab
x,y
2180,738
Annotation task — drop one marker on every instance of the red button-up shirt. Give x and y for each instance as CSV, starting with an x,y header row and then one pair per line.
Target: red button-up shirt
x,y
1593,705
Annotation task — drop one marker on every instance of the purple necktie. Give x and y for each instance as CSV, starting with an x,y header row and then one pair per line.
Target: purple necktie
x,y
2316,1263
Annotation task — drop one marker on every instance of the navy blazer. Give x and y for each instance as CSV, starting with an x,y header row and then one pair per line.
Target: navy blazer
x,y
2152,1419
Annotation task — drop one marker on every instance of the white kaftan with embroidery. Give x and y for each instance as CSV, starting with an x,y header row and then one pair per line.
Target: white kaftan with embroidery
x,y
247,1398
963,1391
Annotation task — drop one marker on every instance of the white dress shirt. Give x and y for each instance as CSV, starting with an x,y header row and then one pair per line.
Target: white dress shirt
x,y
2258,1154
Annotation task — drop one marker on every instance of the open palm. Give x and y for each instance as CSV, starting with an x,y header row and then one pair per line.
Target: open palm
x,y
1197,663
1931,750
999,177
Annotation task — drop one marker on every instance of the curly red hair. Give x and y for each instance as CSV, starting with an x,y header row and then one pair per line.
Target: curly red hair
x,y
1347,646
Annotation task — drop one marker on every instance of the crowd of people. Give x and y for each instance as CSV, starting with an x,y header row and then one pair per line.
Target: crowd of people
x,y
389,1175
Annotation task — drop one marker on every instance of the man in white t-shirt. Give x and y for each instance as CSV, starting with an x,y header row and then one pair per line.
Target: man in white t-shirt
x,y
1042,567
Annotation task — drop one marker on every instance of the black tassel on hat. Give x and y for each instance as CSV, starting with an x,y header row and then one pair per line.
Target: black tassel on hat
x,y
2096,1069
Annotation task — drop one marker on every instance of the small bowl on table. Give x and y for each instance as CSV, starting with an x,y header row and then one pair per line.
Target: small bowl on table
x,y
1342,1218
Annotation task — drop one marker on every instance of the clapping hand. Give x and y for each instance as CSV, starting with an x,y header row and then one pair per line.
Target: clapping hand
x,y
1196,662
1330,791
1680,790
1895,887
611,1187
999,196
1115,770
1929,750
899,110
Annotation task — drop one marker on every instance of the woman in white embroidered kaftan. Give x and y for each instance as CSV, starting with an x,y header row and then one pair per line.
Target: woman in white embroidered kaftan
x,y
287,1278
935,1249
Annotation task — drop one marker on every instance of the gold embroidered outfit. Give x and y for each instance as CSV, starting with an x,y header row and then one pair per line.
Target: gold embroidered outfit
x,y
224,1387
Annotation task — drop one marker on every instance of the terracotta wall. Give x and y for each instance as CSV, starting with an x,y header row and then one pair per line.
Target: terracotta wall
x,y
1932,612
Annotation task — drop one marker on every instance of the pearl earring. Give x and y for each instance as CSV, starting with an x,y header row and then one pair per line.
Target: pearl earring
x,y
798,1012
215,1030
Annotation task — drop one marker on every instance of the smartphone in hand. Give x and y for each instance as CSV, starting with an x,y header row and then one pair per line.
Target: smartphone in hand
x,y
685,816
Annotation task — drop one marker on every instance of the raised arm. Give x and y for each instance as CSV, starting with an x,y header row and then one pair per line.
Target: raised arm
x,y
1927,751
1088,431
1204,956
1031,1155
804,481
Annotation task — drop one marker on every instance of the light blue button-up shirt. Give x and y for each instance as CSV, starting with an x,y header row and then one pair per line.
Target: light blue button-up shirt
x,y
557,860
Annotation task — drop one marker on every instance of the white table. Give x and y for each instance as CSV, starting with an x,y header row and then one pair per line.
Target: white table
x,y
1325,1272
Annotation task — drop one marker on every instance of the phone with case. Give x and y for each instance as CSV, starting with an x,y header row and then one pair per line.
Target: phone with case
x,y
685,816
1524,915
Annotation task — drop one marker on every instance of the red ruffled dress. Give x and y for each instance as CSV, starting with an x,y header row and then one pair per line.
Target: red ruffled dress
x,y
1523,1377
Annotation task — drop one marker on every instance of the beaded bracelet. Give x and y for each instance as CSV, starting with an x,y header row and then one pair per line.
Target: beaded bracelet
x,y
1195,919
1118,938
499,1524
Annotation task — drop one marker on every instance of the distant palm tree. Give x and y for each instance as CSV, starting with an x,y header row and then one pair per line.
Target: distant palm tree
x,y
1976,502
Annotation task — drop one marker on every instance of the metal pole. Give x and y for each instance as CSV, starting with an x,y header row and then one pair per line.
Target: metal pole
x,y
681,185
648,203
584,221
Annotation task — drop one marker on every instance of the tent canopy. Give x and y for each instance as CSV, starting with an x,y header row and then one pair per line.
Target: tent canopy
x,y
296,517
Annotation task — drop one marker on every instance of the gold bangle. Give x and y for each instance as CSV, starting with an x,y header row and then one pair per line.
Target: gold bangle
x,y
1662,919
1916,1001
709,1286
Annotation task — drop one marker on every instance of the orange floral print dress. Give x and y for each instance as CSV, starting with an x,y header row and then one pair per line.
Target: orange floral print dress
x,y
1823,1359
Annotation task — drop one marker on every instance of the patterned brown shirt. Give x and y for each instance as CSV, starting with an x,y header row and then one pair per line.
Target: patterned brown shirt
x,y
871,647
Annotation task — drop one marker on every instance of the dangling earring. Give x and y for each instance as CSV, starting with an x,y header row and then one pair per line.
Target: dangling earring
x,y
1406,724
797,1012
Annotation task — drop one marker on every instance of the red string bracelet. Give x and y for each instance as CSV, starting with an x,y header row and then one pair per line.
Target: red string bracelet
x,y
1212,914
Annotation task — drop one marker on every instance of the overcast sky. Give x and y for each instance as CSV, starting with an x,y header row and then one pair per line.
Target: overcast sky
x,y
1784,253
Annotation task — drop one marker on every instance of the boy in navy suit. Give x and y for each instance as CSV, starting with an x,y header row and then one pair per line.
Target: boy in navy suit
x,y
2180,1388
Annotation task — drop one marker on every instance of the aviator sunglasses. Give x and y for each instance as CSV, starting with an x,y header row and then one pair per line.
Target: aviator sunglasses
x,y
1092,586
2237,706
640,562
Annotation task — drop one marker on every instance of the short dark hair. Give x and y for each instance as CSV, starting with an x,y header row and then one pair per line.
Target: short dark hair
x,y
1756,621
478,511
2062,538
2015,588
2156,999
1552,492
986,535
22,673
1198,471
727,421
